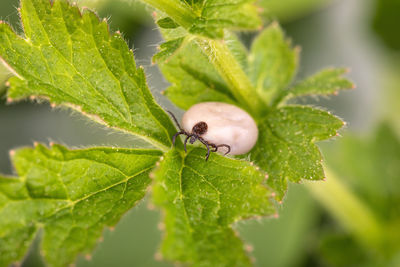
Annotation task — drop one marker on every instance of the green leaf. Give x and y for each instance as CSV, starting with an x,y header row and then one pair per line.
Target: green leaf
x,y
167,23
4,76
325,82
230,14
201,200
216,15
167,49
286,149
210,17
71,195
272,62
71,59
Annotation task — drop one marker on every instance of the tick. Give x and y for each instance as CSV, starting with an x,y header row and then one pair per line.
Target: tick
x,y
219,126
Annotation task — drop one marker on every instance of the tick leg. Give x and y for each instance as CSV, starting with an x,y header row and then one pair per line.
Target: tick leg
x,y
175,136
227,146
207,145
176,121
186,139
208,151
214,146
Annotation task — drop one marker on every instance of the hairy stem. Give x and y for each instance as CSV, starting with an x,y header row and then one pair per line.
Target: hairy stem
x,y
228,67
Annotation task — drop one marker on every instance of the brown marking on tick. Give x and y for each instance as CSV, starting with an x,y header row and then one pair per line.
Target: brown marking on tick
x,y
200,128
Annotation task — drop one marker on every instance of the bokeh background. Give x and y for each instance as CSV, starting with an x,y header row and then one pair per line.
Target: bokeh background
x,y
313,229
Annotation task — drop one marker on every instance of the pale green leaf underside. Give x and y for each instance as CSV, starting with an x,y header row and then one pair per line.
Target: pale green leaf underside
x,y
208,18
201,200
230,13
217,15
71,59
286,149
325,82
272,62
70,194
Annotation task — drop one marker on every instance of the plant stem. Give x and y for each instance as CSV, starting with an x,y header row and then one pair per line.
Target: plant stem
x,y
348,210
176,9
228,67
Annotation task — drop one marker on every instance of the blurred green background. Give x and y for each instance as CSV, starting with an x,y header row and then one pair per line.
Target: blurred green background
x,y
317,226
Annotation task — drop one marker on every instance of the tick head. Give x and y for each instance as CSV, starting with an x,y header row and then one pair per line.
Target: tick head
x,y
193,139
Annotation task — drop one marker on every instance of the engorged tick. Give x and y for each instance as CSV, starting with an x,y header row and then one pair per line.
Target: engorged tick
x,y
198,130
218,125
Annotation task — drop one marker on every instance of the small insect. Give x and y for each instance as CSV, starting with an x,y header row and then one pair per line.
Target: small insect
x,y
219,126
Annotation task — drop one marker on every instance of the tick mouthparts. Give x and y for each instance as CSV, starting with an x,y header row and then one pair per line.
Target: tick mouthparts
x,y
192,140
